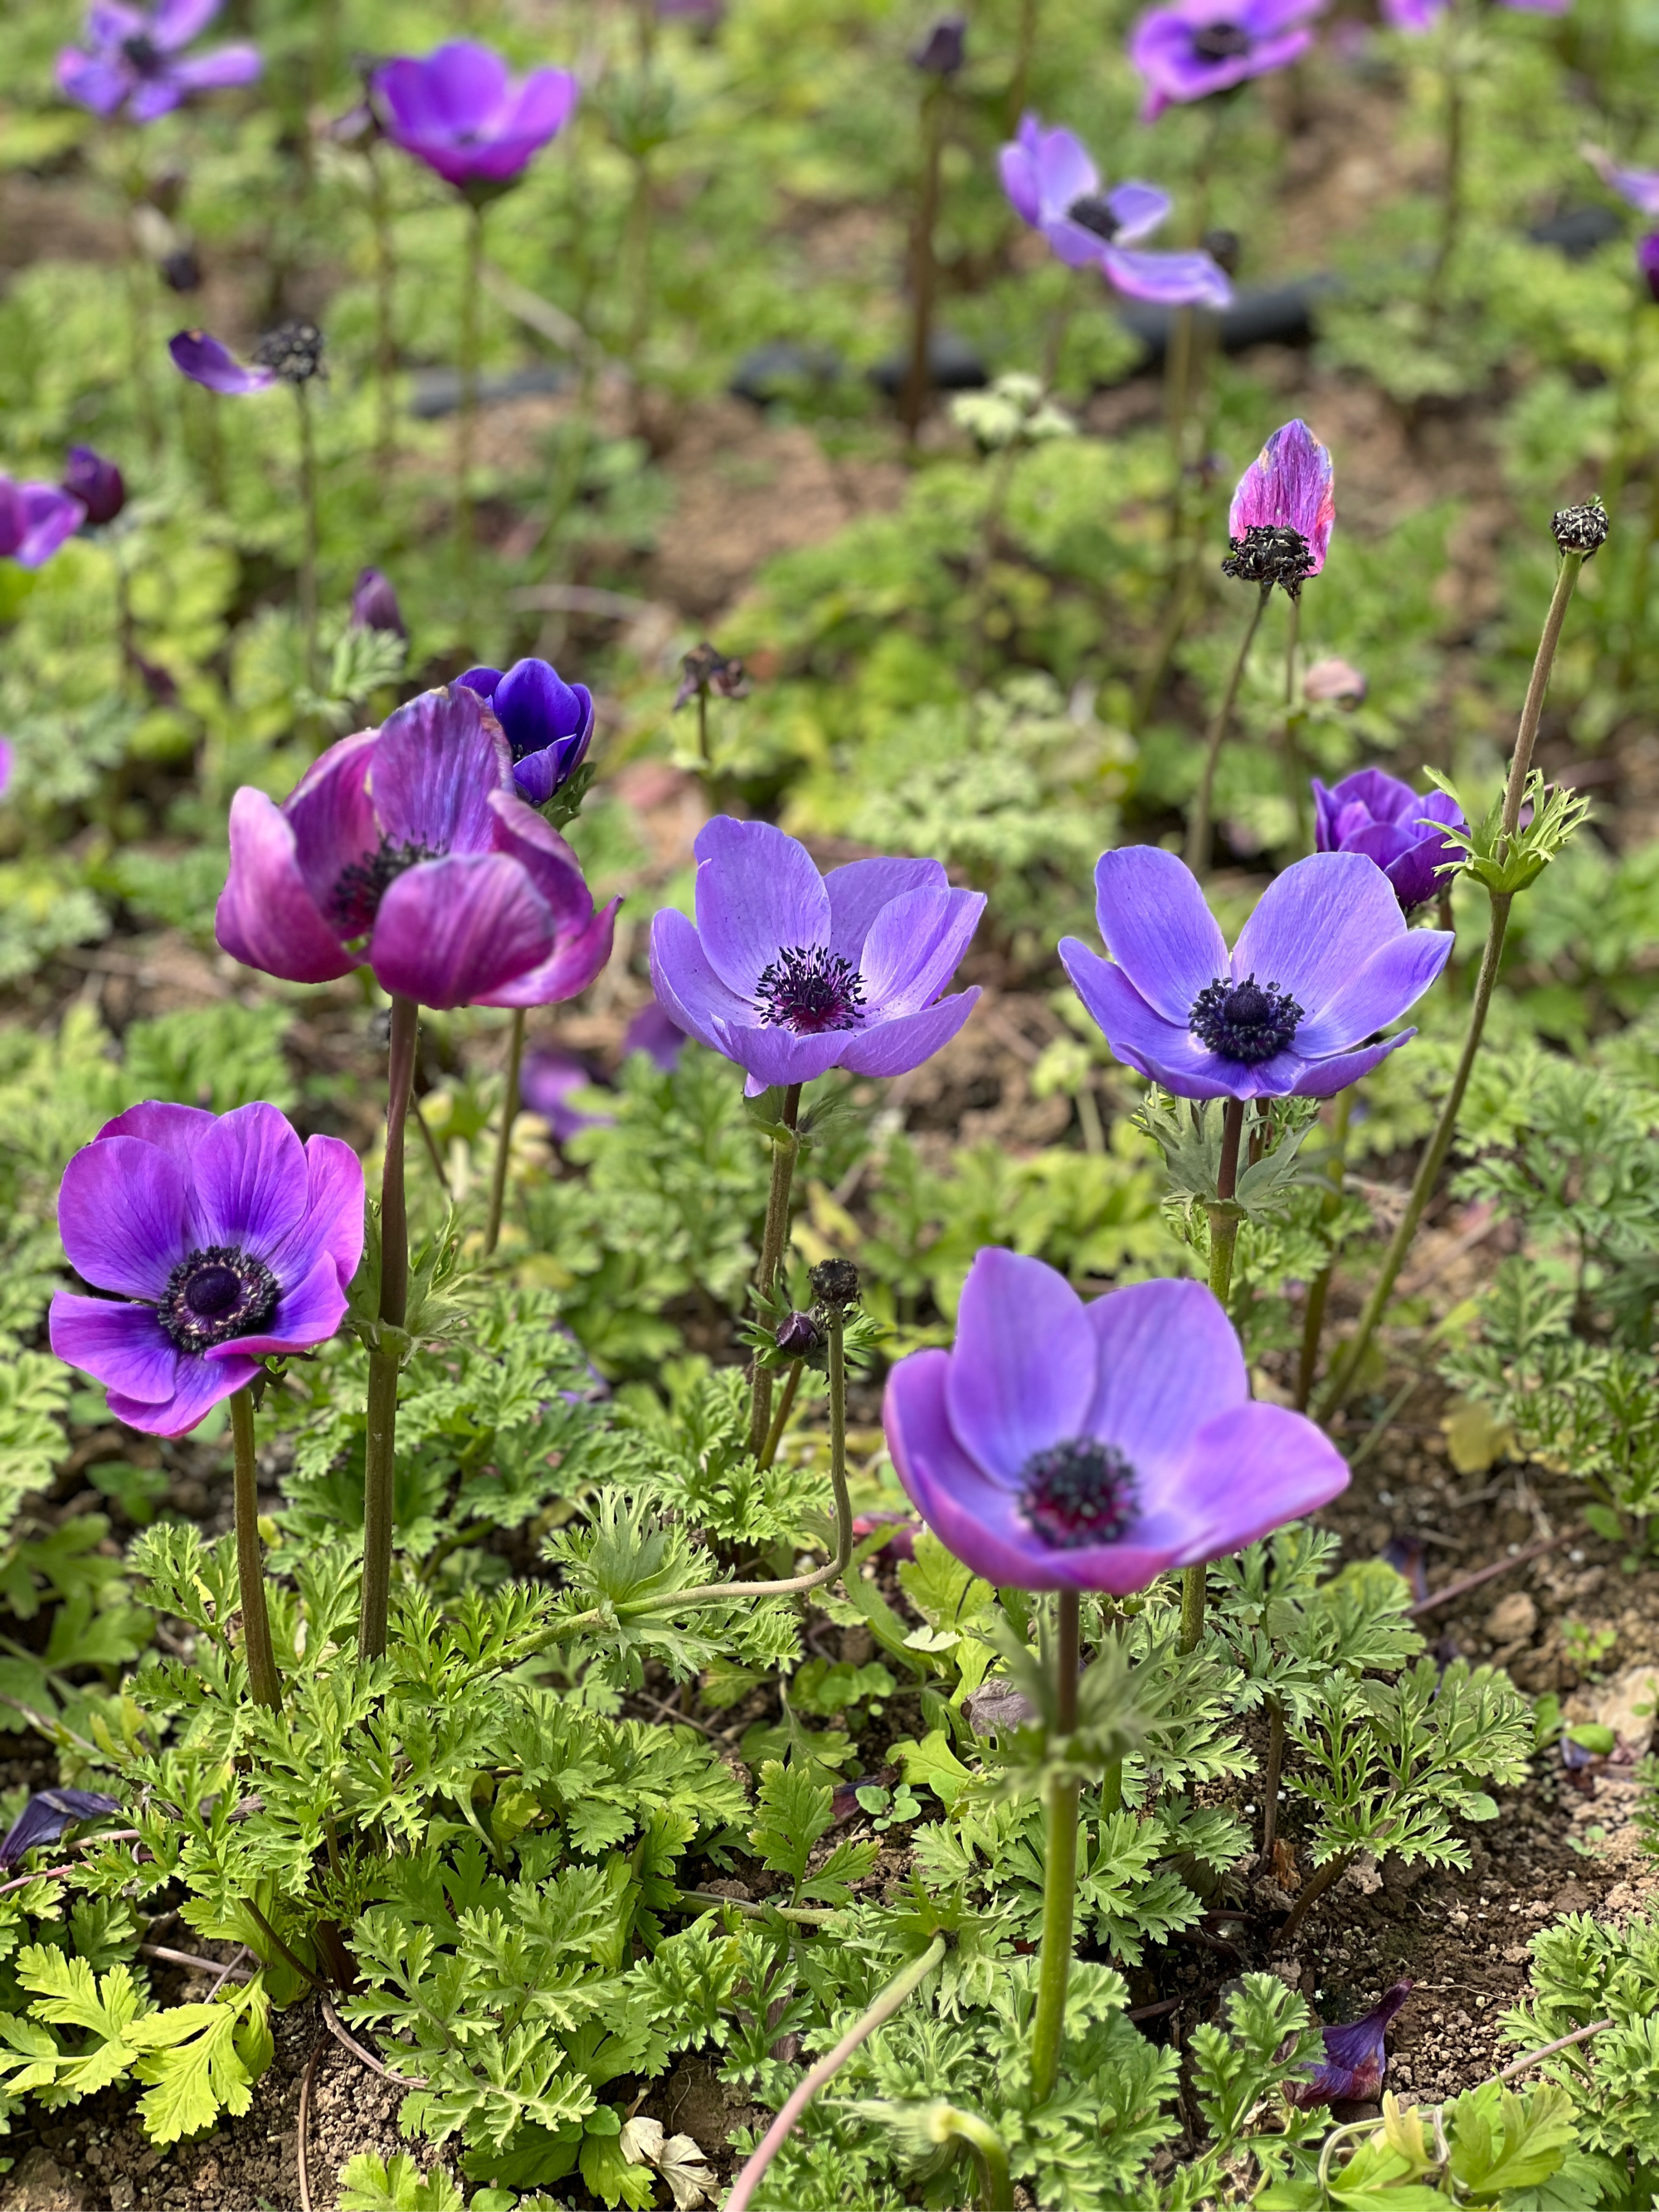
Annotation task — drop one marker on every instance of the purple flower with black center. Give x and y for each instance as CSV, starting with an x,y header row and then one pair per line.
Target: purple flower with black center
x,y
1379,816
790,973
35,520
137,63
407,848
1355,2061
1061,1446
47,1815
459,111
96,482
1324,962
547,1083
374,604
1284,509
548,723
1638,188
1053,185
1197,47
223,1239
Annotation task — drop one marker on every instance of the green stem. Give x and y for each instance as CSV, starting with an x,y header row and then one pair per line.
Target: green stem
x,y
379,1450
1641,571
1319,1290
1270,1781
639,237
467,420
1058,1868
1025,47
1451,203
1198,826
263,1681
1224,1238
504,1141
924,270
786,1149
385,331
989,2152
1296,776
1320,1879
308,559
781,1418
703,753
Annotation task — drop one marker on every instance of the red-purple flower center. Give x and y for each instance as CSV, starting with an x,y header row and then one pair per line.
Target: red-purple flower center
x,y
1080,1492
1247,1021
1220,42
358,890
216,1293
1094,212
810,989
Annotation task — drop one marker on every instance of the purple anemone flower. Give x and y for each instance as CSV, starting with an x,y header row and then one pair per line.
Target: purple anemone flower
x,y
206,360
374,604
1355,2061
1284,509
790,973
1379,816
1053,185
1200,47
96,482
1324,962
137,60
8,760
548,723
35,520
459,111
1066,1446
654,1032
224,1239
1638,188
407,848
47,1815
548,1083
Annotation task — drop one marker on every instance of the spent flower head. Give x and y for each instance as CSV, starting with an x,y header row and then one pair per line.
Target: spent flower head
x,y
1376,814
1581,530
707,669
134,62
1197,47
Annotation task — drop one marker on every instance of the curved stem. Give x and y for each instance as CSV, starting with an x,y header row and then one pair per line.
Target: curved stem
x,y
264,1682
868,2022
1198,826
380,1448
1058,1868
1270,1780
312,530
781,1418
990,2154
467,420
1320,1879
776,1235
504,1141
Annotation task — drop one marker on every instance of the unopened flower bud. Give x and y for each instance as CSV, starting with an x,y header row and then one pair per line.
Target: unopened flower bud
x,y
705,668
374,604
1581,530
798,1335
181,271
96,483
1334,679
294,349
943,50
836,1283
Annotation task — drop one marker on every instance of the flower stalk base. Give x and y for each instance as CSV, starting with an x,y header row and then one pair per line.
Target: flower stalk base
x,y
786,1149
381,1441
504,1141
1058,1868
264,1682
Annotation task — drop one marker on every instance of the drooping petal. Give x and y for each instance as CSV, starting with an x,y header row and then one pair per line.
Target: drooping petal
x,y
1393,978
1315,926
687,985
915,947
250,1186
451,930
859,891
575,962
1168,1362
204,360
46,1817
1023,1372
436,762
757,894
546,857
778,1056
1163,1052
119,1345
200,1385
1158,928
307,1313
265,917
903,1041
1174,280
123,1215
1247,1473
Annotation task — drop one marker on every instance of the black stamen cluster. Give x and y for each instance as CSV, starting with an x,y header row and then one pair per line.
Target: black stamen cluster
x,y
810,989
1247,1021
836,1283
294,349
1094,212
1581,529
1220,42
214,1294
359,888
1081,1491
1270,553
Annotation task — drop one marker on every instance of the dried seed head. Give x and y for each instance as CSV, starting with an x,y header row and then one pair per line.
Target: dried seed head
x,y
294,349
836,1284
1581,529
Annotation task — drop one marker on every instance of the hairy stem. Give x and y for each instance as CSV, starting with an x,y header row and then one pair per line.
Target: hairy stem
x,y
786,1149
310,518
924,272
1058,1868
380,1453
1224,1238
1319,1290
1198,825
504,1141
263,1681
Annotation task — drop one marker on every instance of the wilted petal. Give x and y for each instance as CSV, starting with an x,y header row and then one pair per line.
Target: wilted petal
x,y
204,360
1291,485
1355,2061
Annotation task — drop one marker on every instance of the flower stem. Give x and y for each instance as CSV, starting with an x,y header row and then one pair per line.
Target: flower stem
x,y
989,2152
1319,1290
263,1681
891,1998
379,1450
1270,1780
467,420
1058,1868
1198,826
1451,186
1224,1238
386,332
312,530
1346,1366
924,272
1320,1879
1024,48
786,1149
781,1418
504,1141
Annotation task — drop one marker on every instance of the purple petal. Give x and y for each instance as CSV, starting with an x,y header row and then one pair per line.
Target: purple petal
x,y
757,894
459,88
330,813
687,985
265,917
1168,1361
546,859
1323,1078
308,1314
449,931
1015,163
534,706
654,1032
1640,187
576,960
1383,797
174,23
50,516
778,1056
1138,209
1393,979
550,1080
176,1130
1315,926
858,891
250,1185
545,104
202,359
120,1346
1158,928
1163,1052
1412,16
1176,280
915,947
123,1215
1246,1474
217,71
436,761
1355,2060
331,1225
893,1047
1023,1372
156,96
200,1386
91,81
45,1817
1290,484
481,680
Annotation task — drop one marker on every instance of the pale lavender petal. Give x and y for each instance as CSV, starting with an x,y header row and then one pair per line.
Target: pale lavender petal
x,y
250,1185
218,71
91,81
1065,171
118,1345
859,891
265,917
1158,928
110,21
200,1386
894,1045
176,23
155,96
915,947
1393,979
545,104
1640,187
436,762
1168,1362
124,1216
1175,280
778,1056
1015,163
306,1314
575,962
450,930
758,894
1315,926
1138,209
1166,1052
972,1516
685,983
1022,1371
204,360
1248,1472
1323,1078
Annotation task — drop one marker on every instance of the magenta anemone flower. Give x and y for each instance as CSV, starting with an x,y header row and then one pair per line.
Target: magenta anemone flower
x,y
96,482
548,723
35,520
790,973
1324,962
1200,47
407,848
1053,185
548,1083
223,1240
1284,509
206,360
1379,816
459,111
1066,1446
1638,188
136,61
374,604
8,760
1355,2061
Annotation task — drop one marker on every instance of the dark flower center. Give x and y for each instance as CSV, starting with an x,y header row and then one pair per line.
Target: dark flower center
x,y
142,52
355,898
216,1293
1247,1021
1081,1491
1220,42
294,349
1094,212
810,990
1270,553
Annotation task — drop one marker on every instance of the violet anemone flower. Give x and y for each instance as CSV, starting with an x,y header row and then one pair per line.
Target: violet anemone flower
x,y
548,1083
1053,185
35,520
549,724
1196,47
1355,2061
407,848
1284,509
655,1032
224,1239
96,482
137,63
208,361
1379,816
1638,188
1324,962
459,111
374,604
1061,1446
790,973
